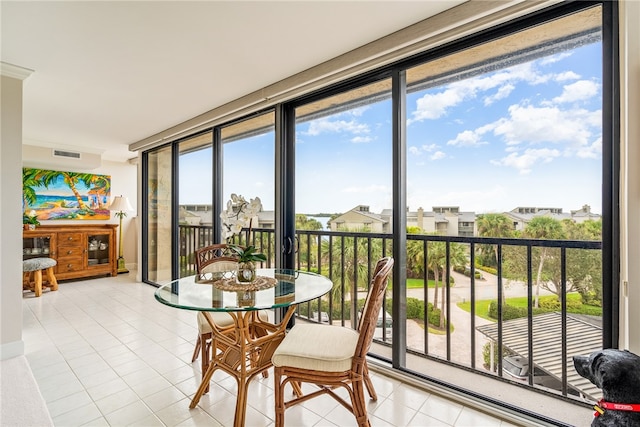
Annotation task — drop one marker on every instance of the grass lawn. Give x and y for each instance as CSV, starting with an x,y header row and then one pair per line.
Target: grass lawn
x,y
482,307
418,284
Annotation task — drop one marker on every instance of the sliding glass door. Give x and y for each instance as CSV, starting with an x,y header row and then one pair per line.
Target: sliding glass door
x,y
195,195
156,248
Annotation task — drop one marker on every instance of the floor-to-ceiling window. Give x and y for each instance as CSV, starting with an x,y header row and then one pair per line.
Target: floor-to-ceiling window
x,y
508,134
343,151
505,140
195,193
248,170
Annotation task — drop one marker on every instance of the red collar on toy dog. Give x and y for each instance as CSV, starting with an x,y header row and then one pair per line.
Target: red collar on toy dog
x,y
602,405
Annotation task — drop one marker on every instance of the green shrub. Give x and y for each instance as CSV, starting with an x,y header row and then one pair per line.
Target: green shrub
x,y
486,355
467,272
434,315
415,308
508,311
489,270
553,304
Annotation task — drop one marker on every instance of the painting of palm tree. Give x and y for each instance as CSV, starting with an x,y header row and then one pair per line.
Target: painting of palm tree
x,y
65,195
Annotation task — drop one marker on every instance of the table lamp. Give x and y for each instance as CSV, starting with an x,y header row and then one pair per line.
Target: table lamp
x,y
120,205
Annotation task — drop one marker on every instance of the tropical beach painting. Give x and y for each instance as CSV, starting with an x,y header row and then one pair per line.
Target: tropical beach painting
x,y
65,195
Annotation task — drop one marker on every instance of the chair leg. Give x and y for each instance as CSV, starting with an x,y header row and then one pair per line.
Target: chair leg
x,y
358,404
297,388
38,279
368,383
53,282
279,396
205,354
196,351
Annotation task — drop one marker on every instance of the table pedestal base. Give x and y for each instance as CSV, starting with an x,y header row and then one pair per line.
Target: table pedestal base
x,y
243,350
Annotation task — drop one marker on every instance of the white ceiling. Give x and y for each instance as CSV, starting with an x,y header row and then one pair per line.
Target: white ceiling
x,y
107,74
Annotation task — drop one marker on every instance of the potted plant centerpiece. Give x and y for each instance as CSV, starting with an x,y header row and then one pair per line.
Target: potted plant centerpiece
x,y
239,215
30,221
247,258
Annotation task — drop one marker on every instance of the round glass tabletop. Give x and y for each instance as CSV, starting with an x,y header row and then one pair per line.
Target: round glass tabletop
x,y
274,288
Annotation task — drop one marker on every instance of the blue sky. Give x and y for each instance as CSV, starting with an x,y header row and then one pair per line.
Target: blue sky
x,y
528,135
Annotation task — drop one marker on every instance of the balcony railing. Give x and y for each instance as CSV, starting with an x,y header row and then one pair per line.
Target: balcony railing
x,y
529,304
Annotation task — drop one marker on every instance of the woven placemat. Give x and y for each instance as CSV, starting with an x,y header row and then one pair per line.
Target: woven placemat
x,y
230,284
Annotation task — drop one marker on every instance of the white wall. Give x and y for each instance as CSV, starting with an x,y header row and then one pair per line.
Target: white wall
x,y
11,343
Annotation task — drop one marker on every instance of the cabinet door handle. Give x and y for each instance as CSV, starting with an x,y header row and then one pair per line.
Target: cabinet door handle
x,y
69,252
70,238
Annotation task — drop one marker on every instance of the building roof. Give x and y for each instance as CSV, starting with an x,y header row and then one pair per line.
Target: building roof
x,y
583,338
357,210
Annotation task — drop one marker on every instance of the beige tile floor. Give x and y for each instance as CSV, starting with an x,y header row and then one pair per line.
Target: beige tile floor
x,y
104,352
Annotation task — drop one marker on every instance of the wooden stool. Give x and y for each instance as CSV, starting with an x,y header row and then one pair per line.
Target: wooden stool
x,y
32,274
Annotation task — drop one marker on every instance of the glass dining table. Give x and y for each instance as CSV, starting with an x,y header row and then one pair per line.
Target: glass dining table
x,y
244,348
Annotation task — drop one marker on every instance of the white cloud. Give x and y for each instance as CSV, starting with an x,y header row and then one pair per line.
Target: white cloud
x,y
468,138
502,93
414,150
325,125
555,58
361,139
358,112
525,161
429,148
591,151
578,91
438,155
567,75
530,124
433,106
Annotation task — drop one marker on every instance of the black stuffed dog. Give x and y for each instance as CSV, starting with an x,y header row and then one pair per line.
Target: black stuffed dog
x,y
617,374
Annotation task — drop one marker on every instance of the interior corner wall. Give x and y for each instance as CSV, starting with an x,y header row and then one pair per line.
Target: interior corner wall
x,y
11,344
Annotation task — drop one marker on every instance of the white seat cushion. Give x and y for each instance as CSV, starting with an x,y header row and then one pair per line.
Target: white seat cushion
x,y
317,347
221,319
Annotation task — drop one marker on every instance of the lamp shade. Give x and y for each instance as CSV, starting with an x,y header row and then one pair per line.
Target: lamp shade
x,y
120,204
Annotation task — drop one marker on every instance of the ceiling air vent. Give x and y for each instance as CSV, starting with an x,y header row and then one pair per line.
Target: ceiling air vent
x,y
68,154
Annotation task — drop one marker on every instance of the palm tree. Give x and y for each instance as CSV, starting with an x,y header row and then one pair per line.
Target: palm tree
x,y
29,182
437,262
72,179
100,186
494,225
344,247
415,255
543,227
307,254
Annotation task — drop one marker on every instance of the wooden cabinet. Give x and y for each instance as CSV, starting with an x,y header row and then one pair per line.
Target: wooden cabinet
x,y
80,250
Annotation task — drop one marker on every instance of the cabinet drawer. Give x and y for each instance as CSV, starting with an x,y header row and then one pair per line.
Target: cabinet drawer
x,y
67,264
69,239
70,251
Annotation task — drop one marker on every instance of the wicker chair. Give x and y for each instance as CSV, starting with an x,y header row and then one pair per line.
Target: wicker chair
x,y
211,259
331,356
216,258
